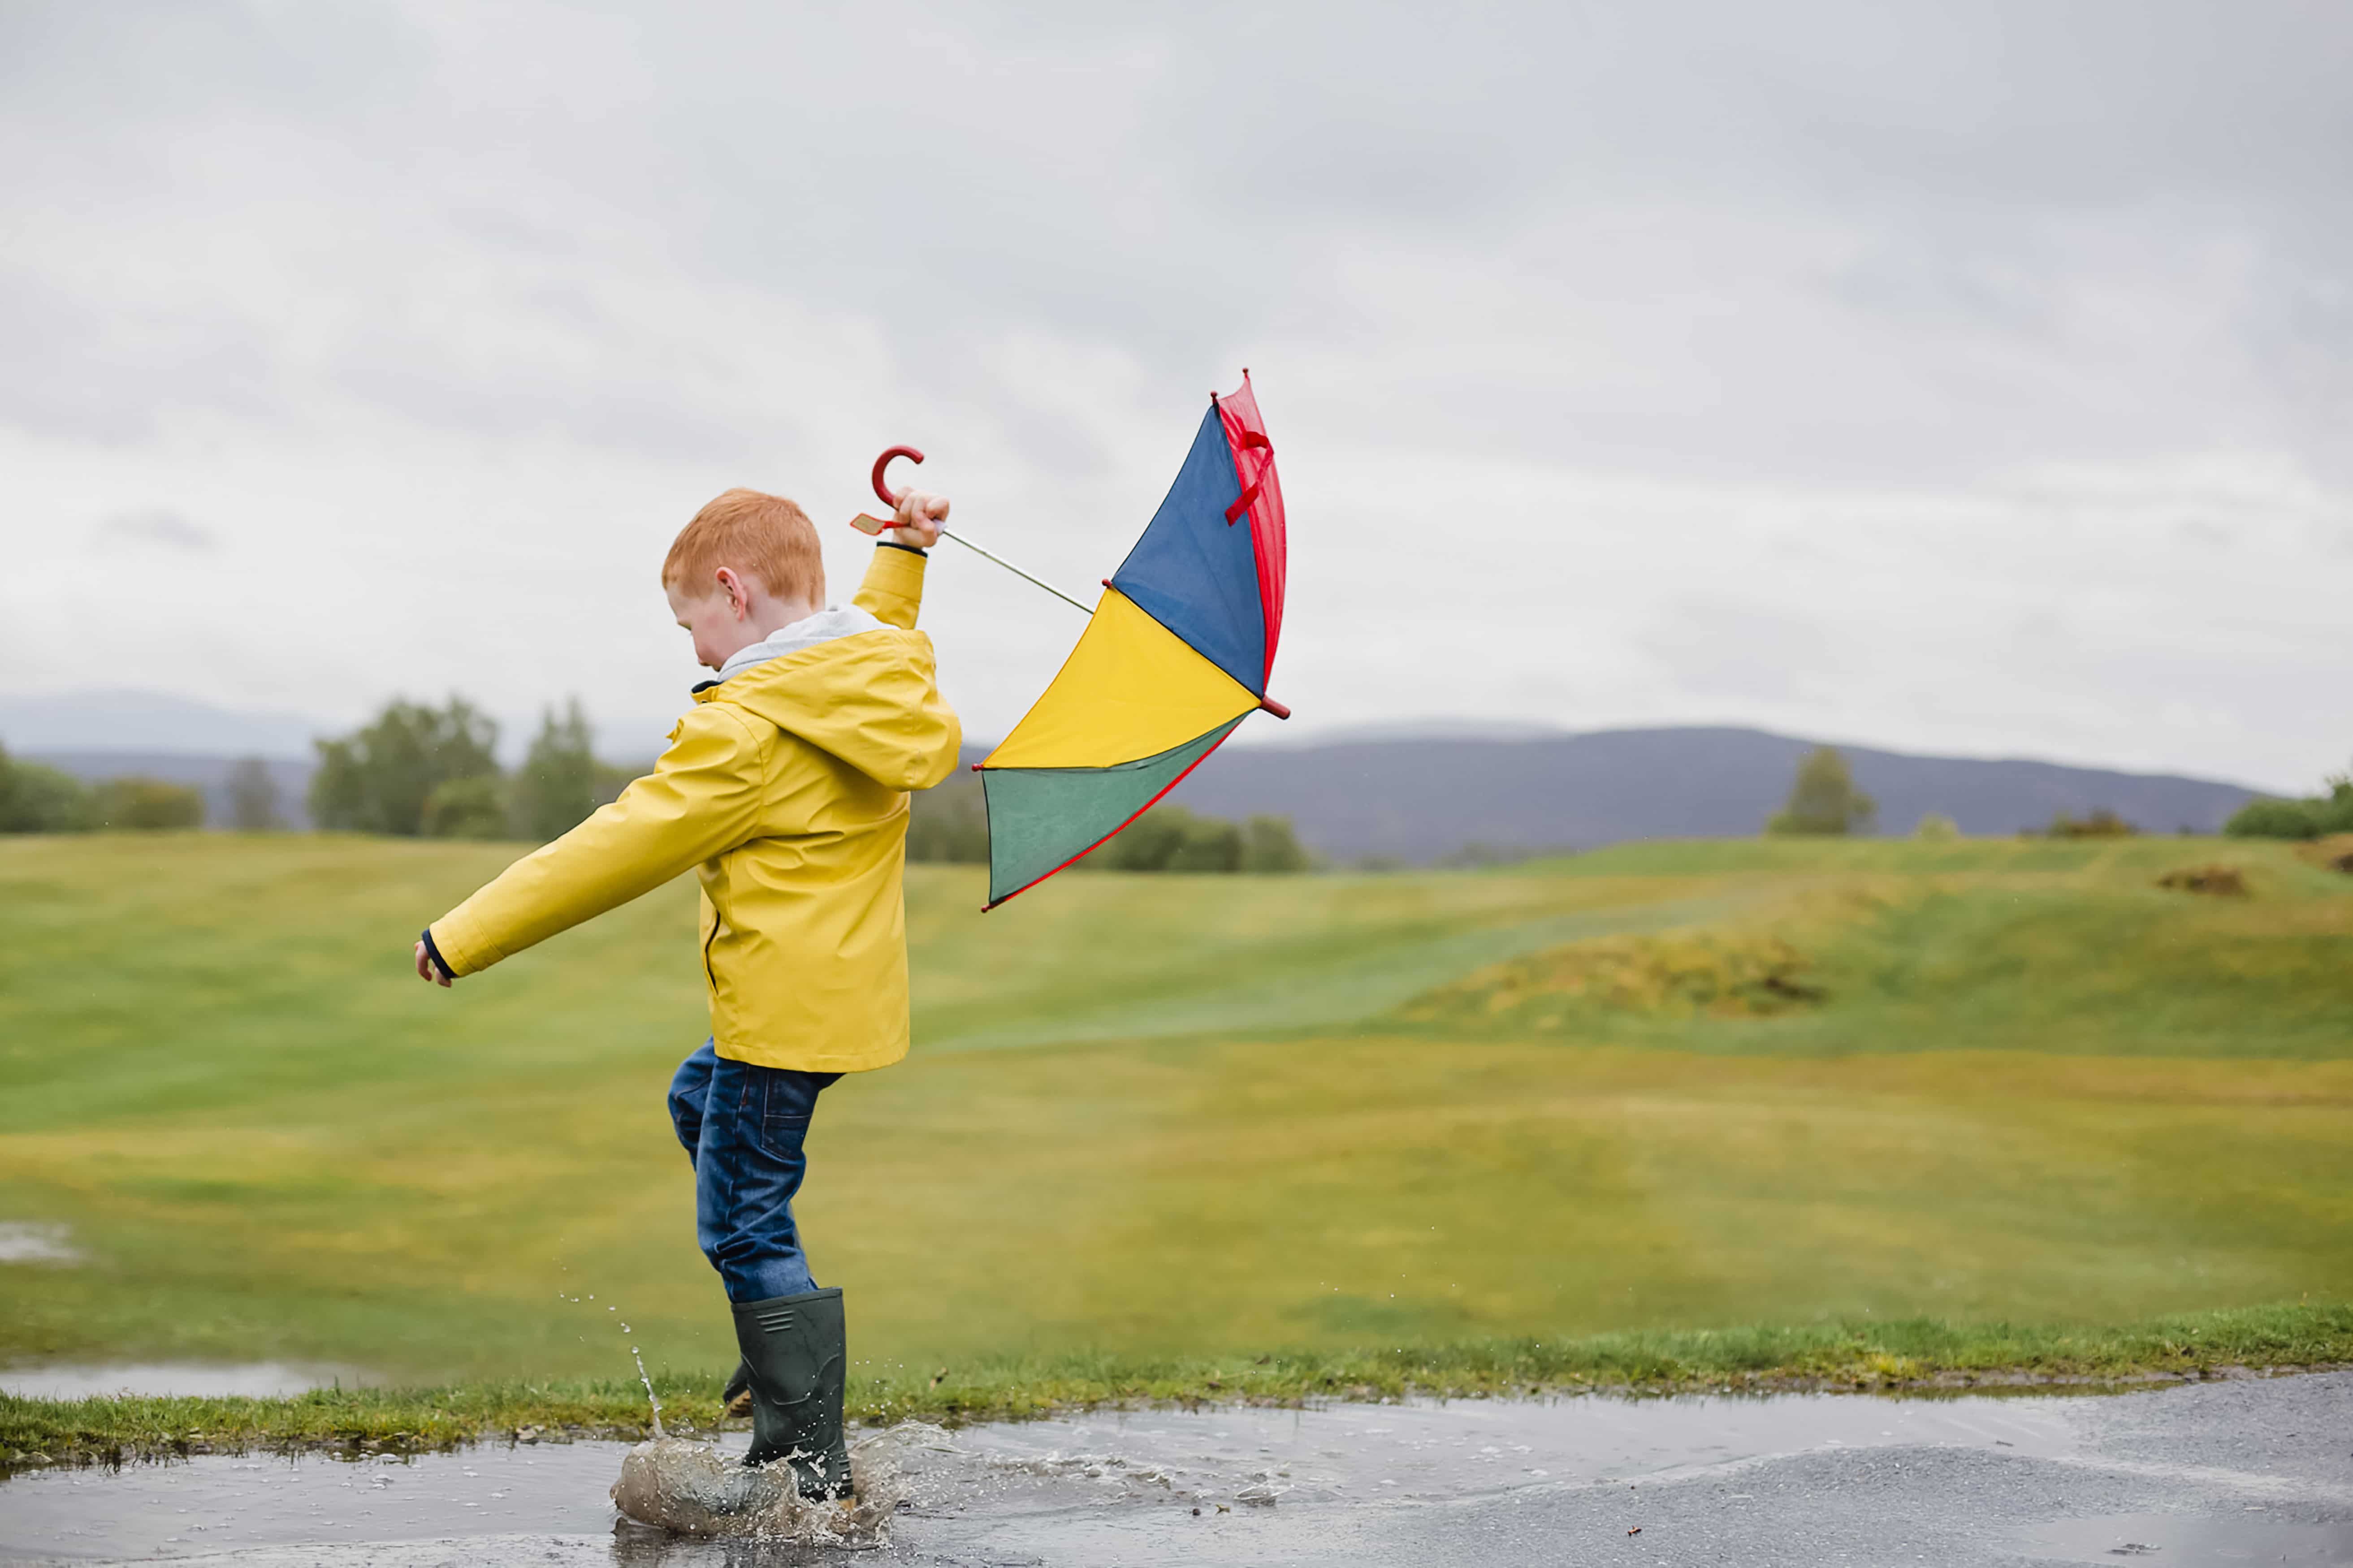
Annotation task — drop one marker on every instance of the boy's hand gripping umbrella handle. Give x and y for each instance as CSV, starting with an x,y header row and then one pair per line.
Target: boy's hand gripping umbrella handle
x,y
865,524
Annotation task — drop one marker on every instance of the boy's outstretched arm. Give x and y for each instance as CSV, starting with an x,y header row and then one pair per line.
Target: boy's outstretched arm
x,y
701,798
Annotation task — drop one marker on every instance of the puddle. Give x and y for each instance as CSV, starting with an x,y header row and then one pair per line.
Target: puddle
x,y
1221,1460
220,1503
36,1244
2188,1540
198,1380
1431,1451
1758,1480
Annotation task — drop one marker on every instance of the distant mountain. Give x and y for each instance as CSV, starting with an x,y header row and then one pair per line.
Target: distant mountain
x,y
1414,791
1418,800
149,721
1428,728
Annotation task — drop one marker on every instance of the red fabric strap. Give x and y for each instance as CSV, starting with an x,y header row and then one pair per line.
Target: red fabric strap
x,y
1249,438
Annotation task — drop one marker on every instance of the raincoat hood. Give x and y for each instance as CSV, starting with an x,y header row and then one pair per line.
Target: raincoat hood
x,y
867,697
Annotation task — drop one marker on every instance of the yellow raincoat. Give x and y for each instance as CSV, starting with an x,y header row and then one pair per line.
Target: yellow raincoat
x,y
784,788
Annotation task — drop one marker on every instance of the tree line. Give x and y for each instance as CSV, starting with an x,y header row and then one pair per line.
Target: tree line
x,y
433,772
2310,817
421,772
418,771
36,798
950,824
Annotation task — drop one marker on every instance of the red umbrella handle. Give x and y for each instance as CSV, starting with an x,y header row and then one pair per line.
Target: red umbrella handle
x,y
883,462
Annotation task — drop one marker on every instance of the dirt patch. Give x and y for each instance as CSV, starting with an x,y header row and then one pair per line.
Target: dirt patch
x,y
1723,976
2334,853
2227,882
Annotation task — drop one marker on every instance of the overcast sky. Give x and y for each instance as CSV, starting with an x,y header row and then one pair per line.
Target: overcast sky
x,y
1972,377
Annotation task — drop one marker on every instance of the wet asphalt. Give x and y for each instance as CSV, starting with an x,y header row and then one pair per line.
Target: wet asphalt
x,y
2235,1471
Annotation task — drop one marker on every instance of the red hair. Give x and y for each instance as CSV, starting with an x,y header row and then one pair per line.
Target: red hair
x,y
754,534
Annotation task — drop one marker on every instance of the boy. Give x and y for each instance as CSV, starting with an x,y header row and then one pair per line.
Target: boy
x,y
784,788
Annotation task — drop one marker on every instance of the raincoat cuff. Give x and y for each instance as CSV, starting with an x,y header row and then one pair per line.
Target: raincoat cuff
x,y
452,949
894,589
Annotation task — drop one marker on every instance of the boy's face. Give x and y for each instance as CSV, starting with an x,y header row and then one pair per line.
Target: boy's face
x,y
719,620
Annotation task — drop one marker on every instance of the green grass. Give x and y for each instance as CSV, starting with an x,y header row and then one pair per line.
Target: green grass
x,y
1910,1355
1155,1125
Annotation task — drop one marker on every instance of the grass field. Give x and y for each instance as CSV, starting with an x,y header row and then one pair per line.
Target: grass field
x,y
1655,1090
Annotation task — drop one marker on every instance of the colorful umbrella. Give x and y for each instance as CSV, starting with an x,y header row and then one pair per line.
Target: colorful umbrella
x,y
1175,654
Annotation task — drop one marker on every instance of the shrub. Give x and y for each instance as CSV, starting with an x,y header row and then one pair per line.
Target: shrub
x,y
1823,799
949,823
2101,822
1937,826
37,799
253,797
1270,845
1207,843
2269,818
147,805
471,808
2314,816
1172,838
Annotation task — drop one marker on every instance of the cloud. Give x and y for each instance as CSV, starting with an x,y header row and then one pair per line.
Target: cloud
x,y
1899,327
1715,649
152,527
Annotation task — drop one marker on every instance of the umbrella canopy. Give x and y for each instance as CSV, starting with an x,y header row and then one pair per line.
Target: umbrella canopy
x,y
1176,655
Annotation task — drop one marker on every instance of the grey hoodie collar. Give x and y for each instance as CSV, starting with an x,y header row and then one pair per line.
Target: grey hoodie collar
x,y
845,620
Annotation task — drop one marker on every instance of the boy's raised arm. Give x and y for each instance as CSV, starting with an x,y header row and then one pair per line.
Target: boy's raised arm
x,y
702,797
894,589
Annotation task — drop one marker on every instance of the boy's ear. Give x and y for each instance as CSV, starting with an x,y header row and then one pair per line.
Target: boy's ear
x,y
739,596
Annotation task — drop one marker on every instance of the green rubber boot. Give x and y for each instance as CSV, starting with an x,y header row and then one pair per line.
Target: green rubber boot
x,y
797,1352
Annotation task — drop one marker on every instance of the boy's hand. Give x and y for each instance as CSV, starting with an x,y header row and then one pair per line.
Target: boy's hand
x,y
918,519
427,969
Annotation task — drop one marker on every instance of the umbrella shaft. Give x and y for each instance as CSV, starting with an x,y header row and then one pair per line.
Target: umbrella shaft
x,y
990,555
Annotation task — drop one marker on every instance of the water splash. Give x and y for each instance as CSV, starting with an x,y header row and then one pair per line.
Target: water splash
x,y
694,1489
649,1382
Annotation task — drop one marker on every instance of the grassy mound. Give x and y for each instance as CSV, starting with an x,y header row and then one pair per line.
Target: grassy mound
x,y
1750,975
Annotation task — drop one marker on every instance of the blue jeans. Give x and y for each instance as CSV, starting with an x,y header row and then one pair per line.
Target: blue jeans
x,y
742,1126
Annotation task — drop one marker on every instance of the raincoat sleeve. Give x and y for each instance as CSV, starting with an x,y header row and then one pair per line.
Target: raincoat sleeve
x,y
894,589
702,798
